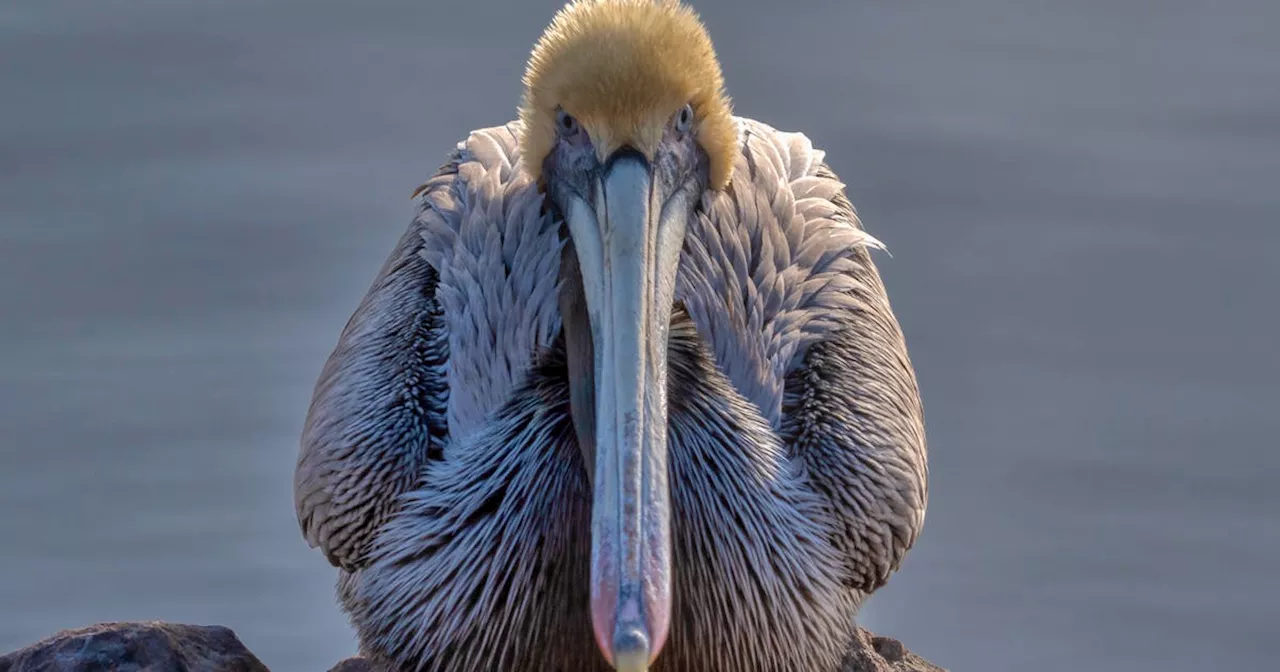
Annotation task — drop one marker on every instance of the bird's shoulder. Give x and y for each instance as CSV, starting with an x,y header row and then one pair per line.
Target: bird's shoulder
x,y
771,262
483,226
786,166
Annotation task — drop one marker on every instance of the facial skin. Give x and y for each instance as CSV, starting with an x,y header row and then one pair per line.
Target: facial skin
x,y
626,215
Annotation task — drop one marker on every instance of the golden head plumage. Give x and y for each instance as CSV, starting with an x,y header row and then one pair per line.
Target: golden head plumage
x,y
623,68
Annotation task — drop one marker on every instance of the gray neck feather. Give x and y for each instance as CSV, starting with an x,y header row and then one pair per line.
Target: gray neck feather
x,y
763,264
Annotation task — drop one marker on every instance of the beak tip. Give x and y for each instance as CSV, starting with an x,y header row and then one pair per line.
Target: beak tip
x,y
631,650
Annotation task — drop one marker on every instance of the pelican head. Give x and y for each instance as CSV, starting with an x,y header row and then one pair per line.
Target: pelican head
x,y
626,125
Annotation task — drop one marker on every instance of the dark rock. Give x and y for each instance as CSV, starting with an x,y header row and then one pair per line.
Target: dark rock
x,y
132,647
873,653
356,664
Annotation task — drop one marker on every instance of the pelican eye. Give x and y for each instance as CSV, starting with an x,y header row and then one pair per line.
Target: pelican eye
x,y
566,123
684,118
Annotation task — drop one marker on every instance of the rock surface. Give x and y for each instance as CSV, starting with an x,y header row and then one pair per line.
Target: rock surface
x,y
133,647
356,664
873,653
170,647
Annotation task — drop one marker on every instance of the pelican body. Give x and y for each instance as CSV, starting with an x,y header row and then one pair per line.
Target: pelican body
x,y
628,394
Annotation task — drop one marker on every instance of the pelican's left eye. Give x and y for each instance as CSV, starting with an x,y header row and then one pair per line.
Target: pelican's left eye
x,y
684,118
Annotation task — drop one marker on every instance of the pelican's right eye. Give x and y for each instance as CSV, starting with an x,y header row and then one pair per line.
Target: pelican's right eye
x,y
567,124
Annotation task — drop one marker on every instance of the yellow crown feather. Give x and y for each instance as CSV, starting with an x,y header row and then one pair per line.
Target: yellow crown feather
x,y
623,68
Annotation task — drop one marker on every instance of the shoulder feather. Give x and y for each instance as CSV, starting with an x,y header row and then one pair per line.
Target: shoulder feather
x,y
767,258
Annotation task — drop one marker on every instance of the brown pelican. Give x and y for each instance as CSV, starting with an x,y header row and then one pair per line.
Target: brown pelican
x,y
630,384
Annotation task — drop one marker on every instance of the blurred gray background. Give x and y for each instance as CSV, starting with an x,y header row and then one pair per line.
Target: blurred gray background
x,y
1082,199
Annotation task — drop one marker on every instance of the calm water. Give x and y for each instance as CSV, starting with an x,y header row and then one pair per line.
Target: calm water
x,y
1082,200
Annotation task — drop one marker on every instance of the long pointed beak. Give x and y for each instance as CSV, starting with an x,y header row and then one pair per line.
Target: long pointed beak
x,y
628,250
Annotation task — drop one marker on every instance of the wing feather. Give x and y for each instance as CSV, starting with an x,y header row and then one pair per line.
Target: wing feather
x,y
448,329
778,279
377,413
